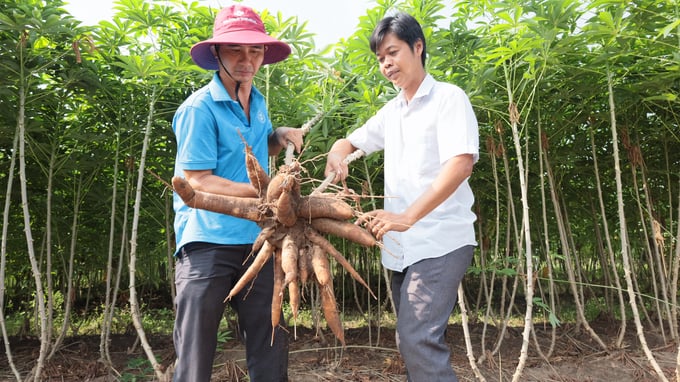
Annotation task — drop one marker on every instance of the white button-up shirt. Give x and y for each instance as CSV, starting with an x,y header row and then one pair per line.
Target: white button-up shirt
x,y
417,139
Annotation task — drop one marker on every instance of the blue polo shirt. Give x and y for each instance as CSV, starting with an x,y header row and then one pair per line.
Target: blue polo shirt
x,y
207,127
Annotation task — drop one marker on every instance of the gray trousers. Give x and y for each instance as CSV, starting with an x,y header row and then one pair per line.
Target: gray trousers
x,y
425,295
204,275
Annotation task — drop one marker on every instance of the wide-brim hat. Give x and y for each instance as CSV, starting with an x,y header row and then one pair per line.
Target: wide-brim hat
x,y
238,24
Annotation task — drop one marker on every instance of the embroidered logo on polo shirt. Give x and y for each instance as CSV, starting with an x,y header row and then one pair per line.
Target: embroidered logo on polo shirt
x,y
260,117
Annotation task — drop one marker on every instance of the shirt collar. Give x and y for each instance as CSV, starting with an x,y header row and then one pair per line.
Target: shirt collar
x,y
220,94
423,90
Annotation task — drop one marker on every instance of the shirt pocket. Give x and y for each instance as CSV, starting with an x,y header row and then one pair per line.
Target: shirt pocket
x,y
421,149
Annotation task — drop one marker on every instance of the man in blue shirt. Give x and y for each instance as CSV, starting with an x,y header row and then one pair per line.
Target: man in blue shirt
x,y
212,247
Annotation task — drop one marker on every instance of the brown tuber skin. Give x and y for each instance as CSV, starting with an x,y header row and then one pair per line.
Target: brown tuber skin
x,y
246,208
257,175
277,296
345,230
315,206
260,260
292,227
285,210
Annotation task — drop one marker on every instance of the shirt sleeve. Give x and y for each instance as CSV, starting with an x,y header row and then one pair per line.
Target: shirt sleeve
x,y
458,132
196,139
371,136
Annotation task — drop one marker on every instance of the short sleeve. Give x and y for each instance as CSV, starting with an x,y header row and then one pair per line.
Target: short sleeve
x,y
371,136
457,128
196,139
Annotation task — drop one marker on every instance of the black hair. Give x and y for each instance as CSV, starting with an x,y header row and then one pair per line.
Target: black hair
x,y
404,26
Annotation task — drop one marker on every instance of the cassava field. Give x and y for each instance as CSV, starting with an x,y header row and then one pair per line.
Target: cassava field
x,y
370,355
577,190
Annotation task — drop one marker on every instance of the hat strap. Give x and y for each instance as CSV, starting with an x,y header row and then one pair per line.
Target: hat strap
x,y
238,83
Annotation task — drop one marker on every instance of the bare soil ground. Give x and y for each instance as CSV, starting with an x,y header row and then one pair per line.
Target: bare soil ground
x,y
371,355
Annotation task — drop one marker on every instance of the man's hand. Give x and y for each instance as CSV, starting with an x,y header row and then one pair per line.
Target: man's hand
x,y
282,135
335,163
380,222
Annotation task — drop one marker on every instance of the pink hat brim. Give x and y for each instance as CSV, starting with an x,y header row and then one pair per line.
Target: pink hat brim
x,y
276,50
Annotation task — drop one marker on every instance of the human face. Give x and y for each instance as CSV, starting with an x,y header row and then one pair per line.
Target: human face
x,y
398,63
242,61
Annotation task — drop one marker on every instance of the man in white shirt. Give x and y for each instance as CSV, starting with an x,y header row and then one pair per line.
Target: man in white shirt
x,y
430,140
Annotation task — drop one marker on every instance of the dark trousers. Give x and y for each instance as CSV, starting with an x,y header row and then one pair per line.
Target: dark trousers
x,y
425,295
204,275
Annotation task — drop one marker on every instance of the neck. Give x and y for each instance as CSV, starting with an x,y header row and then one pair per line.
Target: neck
x,y
411,89
232,87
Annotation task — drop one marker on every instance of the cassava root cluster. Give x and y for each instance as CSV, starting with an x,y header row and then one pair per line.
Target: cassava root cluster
x,y
292,233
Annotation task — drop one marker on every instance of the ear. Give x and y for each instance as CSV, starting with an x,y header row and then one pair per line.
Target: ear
x,y
418,47
213,50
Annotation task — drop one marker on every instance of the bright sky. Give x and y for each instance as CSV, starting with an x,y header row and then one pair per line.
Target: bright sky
x,y
329,21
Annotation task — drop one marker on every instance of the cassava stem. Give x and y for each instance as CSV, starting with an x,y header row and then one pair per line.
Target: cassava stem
x,y
329,179
288,159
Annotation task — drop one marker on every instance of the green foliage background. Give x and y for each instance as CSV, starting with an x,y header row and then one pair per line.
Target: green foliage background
x,y
88,90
